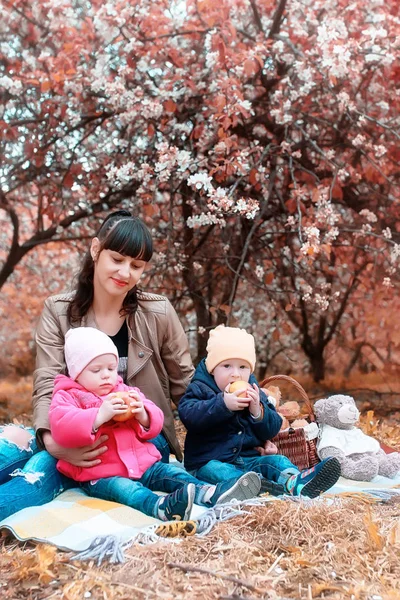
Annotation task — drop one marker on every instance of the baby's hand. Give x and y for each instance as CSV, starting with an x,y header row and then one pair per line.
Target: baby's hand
x,y
112,405
255,404
137,408
268,448
232,400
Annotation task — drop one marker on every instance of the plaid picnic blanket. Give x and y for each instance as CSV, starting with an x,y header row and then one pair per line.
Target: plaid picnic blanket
x,y
96,528
73,520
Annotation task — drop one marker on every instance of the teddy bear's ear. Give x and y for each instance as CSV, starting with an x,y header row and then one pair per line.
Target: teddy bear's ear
x,y
319,407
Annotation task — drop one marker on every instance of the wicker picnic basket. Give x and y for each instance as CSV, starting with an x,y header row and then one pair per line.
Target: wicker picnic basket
x,y
292,442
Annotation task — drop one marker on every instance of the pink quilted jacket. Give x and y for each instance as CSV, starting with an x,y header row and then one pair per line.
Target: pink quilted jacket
x,y
72,413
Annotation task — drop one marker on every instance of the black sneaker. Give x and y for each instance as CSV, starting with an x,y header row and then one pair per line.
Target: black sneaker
x,y
313,482
246,487
178,505
272,488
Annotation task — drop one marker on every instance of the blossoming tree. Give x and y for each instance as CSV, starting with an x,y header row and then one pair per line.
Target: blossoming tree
x,y
258,139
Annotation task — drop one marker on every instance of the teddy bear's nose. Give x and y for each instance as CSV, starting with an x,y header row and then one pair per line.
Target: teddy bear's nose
x,y
348,413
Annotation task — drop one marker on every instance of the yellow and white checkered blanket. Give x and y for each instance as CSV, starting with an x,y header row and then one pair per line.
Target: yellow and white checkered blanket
x,y
73,520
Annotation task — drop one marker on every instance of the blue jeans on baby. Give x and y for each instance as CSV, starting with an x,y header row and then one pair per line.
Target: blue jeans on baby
x,y
29,477
274,467
139,494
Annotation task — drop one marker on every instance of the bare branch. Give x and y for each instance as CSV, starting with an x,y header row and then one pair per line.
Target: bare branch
x,y
277,20
256,14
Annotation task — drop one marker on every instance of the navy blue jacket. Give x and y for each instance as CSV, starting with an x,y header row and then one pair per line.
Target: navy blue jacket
x,y
216,433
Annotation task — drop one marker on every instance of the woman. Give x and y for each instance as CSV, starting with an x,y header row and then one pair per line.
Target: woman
x,y
153,350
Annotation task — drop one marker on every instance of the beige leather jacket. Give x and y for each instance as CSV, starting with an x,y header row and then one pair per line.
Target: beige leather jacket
x,y
159,362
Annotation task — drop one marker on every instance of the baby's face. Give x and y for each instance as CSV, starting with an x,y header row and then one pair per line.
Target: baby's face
x,y
100,376
231,370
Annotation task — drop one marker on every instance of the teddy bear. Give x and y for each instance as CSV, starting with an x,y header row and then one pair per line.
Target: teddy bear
x,y
360,455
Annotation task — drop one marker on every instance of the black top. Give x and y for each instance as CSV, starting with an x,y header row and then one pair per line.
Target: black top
x,y
121,340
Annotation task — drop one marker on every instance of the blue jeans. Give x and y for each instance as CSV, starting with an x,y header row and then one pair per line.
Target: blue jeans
x,y
275,467
139,494
29,477
161,444
12,457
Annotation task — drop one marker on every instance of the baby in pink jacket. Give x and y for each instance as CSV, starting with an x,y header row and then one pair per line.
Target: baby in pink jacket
x,y
83,408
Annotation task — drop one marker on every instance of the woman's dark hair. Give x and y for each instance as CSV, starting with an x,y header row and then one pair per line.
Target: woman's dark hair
x,y
120,232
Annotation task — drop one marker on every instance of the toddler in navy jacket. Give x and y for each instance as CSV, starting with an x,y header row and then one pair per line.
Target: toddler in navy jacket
x,y
224,428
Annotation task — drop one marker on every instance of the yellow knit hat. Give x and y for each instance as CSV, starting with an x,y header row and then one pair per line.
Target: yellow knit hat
x,y
230,342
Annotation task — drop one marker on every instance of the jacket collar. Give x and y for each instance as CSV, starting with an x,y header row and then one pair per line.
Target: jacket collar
x,y
203,376
138,354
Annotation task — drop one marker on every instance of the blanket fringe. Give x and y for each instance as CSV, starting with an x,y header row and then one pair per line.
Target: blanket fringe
x,y
111,547
221,512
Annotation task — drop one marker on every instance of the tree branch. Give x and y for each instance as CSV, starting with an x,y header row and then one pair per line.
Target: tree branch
x,y
257,221
190,569
276,23
256,14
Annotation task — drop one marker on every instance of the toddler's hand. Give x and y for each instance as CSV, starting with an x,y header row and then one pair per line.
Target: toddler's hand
x,y
111,405
268,448
138,410
233,402
255,404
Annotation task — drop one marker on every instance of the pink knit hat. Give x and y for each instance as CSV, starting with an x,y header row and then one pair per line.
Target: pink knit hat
x,y
84,344
226,343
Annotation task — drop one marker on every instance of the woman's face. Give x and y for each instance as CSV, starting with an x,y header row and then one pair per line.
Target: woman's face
x,y
114,272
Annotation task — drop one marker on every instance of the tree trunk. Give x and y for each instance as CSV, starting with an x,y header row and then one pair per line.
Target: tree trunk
x,y
203,318
317,361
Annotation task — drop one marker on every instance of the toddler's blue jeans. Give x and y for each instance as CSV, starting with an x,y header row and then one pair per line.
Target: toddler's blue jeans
x,y
137,493
29,477
275,467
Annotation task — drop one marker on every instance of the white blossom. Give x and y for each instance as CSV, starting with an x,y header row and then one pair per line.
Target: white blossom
x,y
200,181
368,215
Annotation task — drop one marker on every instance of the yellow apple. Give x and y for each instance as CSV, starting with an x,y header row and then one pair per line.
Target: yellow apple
x,y
128,413
239,385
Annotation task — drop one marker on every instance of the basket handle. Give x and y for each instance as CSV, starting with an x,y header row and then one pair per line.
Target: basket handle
x,y
265,382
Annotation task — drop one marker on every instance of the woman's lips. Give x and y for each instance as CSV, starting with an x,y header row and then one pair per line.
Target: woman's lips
x,y
119,283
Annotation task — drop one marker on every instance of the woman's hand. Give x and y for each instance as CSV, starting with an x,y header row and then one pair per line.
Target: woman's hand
x,y
87,456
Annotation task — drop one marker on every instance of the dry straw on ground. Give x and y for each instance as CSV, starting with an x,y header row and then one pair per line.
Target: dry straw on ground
x,y
285,549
